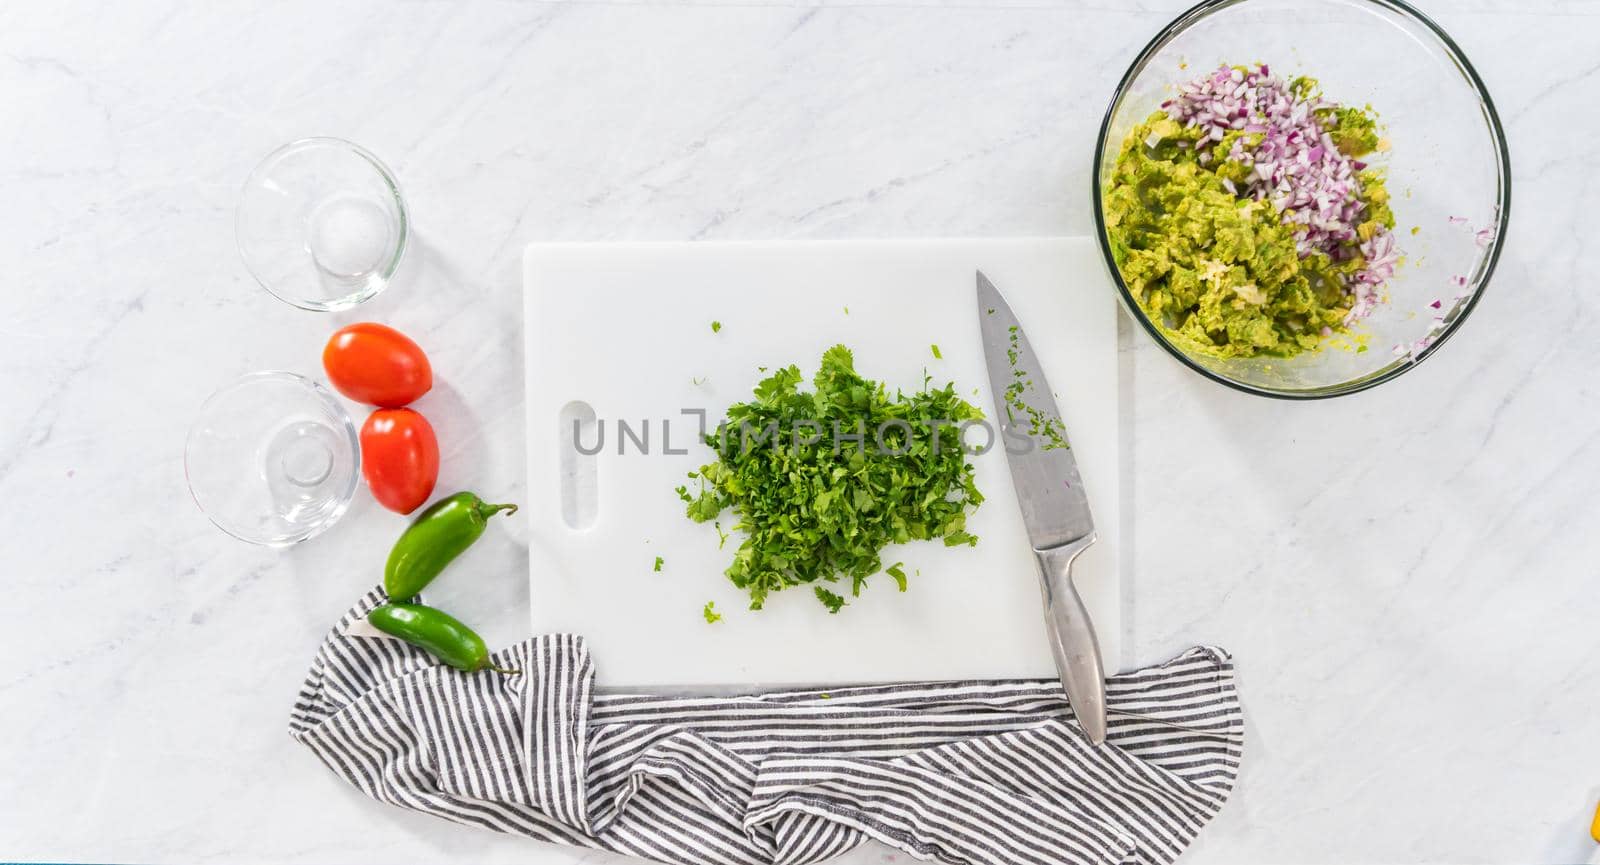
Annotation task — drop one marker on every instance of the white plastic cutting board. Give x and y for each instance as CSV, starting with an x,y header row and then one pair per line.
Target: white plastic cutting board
x,y
625,330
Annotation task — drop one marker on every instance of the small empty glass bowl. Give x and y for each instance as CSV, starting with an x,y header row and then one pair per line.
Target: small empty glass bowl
x,y
321,224
272,459
1447,169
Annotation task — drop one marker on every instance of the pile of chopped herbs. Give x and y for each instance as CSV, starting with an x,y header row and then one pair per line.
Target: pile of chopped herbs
x,y
822,481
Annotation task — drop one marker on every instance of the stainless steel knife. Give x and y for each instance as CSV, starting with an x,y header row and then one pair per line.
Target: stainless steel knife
x,y
1055,506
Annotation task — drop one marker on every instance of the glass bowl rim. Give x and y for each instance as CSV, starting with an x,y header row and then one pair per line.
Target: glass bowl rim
x,y
316,389
1395,369
389,267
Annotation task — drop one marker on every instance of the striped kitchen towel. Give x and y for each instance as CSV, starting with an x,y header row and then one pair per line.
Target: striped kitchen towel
x,y
992,772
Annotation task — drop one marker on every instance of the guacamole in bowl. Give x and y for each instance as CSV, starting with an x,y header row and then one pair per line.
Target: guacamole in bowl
x,y
1306,228
1244,219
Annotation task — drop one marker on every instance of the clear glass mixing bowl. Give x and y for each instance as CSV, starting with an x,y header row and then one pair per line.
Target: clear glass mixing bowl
x,y
272,459
1447,166
321,224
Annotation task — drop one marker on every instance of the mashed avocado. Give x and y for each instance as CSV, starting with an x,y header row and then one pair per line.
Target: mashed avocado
x,y
1247,235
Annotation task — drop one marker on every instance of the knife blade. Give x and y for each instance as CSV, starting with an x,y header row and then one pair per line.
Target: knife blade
x,y
1054,503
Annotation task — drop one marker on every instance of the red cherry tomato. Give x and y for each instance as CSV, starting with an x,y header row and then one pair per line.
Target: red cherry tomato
x,y
399,458
376,364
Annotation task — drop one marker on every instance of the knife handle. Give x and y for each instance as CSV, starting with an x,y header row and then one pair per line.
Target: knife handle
x,y
1072,639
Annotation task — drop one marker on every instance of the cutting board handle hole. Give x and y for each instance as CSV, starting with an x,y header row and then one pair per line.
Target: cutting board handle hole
x,y
580,431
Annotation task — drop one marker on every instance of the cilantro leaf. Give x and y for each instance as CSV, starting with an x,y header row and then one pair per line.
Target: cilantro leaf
x,y
711,615
829,599
659,562
716,327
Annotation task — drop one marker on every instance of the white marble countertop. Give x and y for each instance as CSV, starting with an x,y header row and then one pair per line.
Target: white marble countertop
x,y
1407,577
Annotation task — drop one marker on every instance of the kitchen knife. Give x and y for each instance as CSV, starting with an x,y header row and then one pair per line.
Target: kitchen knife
x,y
1055,506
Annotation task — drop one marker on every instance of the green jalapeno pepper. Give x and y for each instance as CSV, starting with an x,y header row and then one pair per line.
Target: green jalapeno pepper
x,y
433,540
436,632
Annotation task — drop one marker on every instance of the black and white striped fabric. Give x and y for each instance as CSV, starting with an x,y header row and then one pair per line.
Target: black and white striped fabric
x,y
993,772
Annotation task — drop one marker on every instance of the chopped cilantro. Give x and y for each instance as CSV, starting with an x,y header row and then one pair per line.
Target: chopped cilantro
x,y
829,599
1040,423
816,496
716,327
936,354
711,615
956,539
659,562
898,571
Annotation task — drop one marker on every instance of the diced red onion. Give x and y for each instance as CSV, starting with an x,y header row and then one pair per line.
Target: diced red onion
x,y
1295,165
